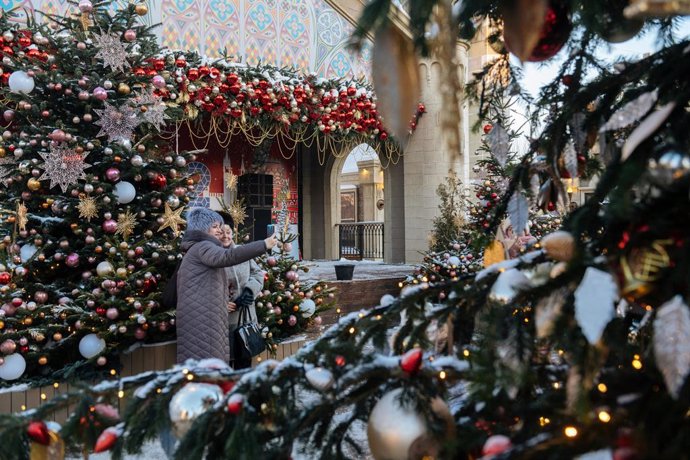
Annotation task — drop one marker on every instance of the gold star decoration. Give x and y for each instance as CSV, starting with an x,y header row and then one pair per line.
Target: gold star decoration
x,y
125,224
88,209
22,219
231,181
238,214
172,219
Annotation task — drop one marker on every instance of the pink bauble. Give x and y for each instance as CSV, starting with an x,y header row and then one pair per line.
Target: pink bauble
x,y
109,226
101,361
271,261
84,95
85,6
57,135
100,93
112,174
277,311
140,334
112,313
130,35
456,246
318,321
496,444
158,81
287,247
9,309
292,275
40,296
72,260
292,320
8,115
8,346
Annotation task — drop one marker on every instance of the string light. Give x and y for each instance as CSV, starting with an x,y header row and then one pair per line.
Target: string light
x,y
120,394
113,372
604,416
43,396
556,385
190,376
442,375
570,431
602,388
543,421
351,330
466,353
636,363
55,385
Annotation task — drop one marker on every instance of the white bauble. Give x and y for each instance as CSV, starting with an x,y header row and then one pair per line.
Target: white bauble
x,y
27,251
21,82
307,307
13,367
104,268
125,192
91,345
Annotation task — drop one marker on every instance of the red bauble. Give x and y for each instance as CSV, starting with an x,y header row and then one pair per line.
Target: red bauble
x,y
235,404
554,32
38,432
412,361
487,128
226,386
5,277
106,440
159,181
496,444
149,285
340,360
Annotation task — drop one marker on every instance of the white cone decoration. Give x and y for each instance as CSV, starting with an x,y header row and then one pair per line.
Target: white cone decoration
x,y
594,303
125,192
13,367
672,343
400,433
91,345
21,82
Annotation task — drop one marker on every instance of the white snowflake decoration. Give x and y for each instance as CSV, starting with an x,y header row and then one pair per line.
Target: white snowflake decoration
x,y
112,51
7,166
155,109
117,124
63,166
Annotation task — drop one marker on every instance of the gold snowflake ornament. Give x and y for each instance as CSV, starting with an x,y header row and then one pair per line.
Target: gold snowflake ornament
x,y
238,213
87,207
231,181
125,225
22,218
172,219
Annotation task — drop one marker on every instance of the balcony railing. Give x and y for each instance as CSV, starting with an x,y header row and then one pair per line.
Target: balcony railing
x,y
361,240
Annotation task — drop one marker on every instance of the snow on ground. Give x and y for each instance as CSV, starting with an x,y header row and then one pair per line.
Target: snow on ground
x,y
364,269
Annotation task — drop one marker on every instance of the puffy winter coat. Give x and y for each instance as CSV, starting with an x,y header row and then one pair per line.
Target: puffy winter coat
x,y
245,275
202,295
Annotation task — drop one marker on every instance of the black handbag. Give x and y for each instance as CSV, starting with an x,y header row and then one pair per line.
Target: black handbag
x,y
247,337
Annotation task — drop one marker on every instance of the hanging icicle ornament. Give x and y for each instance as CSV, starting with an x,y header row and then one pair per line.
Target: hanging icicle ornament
x,y
672,343
657,8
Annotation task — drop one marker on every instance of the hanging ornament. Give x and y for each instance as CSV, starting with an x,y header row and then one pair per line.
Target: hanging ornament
x,y
522,22
22,219
646,129
172,219
672,343
87,207
111,51
594,299
559,245
54,450
411,361
395,72
495,445
107,439
518,212
554,32
91,345
499,144
117,125
320,378
38,432
63,166
551,21
235,404
613,26
397,432
190,402
641,267
671,167
125,225
495,252
631,111
657,8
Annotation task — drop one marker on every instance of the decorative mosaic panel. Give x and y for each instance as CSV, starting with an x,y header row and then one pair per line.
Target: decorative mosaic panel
x,y
307,34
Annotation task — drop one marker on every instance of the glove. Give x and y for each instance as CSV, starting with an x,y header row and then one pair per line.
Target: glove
x,y
245,299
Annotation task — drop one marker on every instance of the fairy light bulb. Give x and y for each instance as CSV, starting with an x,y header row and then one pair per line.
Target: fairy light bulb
x,y
570,431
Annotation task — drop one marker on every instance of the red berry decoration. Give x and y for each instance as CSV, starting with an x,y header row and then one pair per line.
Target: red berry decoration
x,y
235,403
487,128
554,32
412,361
38,432
496,444
567,80
106,440
340,360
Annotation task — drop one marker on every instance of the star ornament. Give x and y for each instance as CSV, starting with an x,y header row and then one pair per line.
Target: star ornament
x,y
125,225
152,108
22,218
111,50
116,124
7,165
87,207
63,166
172,219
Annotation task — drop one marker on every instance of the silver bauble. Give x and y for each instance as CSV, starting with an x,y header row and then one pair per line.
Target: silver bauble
x,y
671,167
189,403
397,432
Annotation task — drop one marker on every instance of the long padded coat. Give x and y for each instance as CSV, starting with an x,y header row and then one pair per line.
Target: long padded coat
x,y
245,275
202,295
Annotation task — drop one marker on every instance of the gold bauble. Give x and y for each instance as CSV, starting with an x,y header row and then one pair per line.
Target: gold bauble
x,y
2,325
57,336
123,88
55,450
33,184
28,321
141,9
3,152
42,360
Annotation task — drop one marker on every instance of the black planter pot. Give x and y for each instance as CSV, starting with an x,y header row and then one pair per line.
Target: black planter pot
x,y
344,272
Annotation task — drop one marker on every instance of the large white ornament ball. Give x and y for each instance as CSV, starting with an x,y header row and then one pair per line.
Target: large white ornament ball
x,y
397,432
104,268
189,403
13,367
125,192
91,345
454,261
27,251
320,378
386,300
307,307
21,82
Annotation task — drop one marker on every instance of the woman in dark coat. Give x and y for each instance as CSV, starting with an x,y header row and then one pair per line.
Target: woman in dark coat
x,y
245,281
202,286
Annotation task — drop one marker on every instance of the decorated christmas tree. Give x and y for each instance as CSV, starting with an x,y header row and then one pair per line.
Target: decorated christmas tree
x,y
578,348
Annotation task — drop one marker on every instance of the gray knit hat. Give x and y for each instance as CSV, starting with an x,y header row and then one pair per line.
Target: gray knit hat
x,y
202,219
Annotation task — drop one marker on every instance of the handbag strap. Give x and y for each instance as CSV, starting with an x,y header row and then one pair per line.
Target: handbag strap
x,y
245,316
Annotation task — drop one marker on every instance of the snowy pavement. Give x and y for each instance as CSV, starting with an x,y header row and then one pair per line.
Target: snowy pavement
x,y
364,269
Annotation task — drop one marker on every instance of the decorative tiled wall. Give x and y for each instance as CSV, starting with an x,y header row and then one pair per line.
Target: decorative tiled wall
x,y
307,34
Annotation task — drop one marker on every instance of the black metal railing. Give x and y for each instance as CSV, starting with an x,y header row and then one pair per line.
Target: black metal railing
x,y
361,240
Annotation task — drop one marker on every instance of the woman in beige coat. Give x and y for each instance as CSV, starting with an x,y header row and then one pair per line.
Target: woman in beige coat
x,y
245,282
202,286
